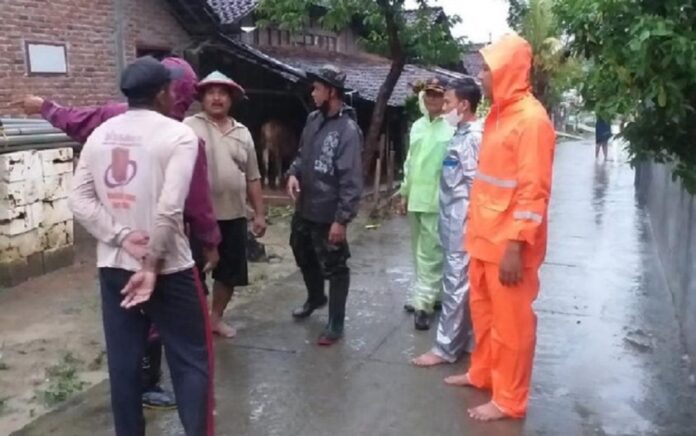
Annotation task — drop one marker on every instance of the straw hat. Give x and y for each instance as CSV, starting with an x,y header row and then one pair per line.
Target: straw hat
x,y
217,78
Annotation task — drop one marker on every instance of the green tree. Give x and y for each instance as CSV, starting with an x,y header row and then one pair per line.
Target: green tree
x,y
516,13
642,65
553,71
387,31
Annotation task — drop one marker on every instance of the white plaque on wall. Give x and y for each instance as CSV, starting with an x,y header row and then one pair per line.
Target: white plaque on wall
x,y
47,58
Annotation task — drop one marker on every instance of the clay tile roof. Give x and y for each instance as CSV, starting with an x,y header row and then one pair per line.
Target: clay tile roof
x,y
230,11
365,73
473,63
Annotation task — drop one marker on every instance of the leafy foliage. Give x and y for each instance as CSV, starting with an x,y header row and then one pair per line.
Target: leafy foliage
x,y
483,109
516,14
412,109
554,72
63,380
642,65
424,42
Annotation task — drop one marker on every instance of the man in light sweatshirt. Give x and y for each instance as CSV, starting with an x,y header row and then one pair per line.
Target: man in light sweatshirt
x,y
130,187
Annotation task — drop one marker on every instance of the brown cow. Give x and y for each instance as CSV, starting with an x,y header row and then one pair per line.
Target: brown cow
x,y
278,145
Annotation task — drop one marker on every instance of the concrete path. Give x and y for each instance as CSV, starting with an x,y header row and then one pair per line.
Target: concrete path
x,y
609,356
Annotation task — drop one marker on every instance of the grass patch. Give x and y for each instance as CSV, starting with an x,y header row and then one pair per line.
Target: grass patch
x,y
63,381
98,362
279,213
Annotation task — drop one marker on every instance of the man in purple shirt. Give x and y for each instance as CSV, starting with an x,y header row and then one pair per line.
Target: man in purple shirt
x,y
79,123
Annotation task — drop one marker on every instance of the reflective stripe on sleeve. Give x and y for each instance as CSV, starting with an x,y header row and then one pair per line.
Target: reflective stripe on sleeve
x,y
528,216
502,183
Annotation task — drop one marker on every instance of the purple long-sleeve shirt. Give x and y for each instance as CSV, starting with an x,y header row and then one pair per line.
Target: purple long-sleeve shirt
x,y
79,122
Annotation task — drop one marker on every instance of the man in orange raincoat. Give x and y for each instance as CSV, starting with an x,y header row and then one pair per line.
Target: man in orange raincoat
x,y
507,231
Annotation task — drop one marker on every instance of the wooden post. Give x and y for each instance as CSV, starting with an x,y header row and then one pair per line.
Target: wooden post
x,y
390,171
378,173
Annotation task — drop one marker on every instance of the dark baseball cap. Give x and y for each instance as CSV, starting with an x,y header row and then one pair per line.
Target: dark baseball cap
x,y
146,76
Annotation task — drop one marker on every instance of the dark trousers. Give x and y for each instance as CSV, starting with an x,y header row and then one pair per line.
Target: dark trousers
x,y
179,310
318,261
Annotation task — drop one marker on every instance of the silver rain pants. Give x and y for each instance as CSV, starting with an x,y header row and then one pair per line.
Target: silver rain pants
x,y
454,331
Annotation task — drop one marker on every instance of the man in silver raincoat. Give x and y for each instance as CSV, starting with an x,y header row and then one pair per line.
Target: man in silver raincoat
x,y
454,332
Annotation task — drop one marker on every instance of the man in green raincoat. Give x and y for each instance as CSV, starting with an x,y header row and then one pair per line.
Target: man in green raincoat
x,y
419,196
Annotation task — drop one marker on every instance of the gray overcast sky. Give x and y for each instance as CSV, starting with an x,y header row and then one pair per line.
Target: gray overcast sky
x,y
480,17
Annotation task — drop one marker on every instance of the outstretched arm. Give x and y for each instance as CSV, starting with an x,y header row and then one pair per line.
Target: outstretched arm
x,y
78,122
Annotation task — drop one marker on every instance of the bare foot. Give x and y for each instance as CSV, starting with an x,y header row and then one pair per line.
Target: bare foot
x,y
222,329
487,412
459,380
428,359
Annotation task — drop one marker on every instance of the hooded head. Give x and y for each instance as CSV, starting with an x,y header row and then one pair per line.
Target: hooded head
x,y
184,88
509,65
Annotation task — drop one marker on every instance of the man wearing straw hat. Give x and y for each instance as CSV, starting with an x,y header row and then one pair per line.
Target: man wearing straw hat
x,y
234,176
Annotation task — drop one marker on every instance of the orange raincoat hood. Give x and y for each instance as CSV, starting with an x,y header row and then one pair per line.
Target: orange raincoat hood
x,y
510,61
510,195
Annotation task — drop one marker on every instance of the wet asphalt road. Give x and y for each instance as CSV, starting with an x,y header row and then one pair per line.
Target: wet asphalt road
x,y
609,356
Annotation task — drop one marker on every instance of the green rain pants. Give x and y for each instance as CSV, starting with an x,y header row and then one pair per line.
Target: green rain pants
x,y
428,258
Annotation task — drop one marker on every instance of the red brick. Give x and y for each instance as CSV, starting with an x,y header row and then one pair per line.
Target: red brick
x,y
87,28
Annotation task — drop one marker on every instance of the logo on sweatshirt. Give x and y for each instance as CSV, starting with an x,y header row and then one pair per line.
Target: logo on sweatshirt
x,y
122,169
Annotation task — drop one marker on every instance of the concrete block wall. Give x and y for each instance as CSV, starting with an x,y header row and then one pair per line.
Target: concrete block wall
x,y
36,225
672,213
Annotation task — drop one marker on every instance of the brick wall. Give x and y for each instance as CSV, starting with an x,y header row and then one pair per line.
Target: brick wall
x,y
151,24
87,27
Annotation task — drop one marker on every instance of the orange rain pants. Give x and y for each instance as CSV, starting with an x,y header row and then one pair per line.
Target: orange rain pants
x,y
505,331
